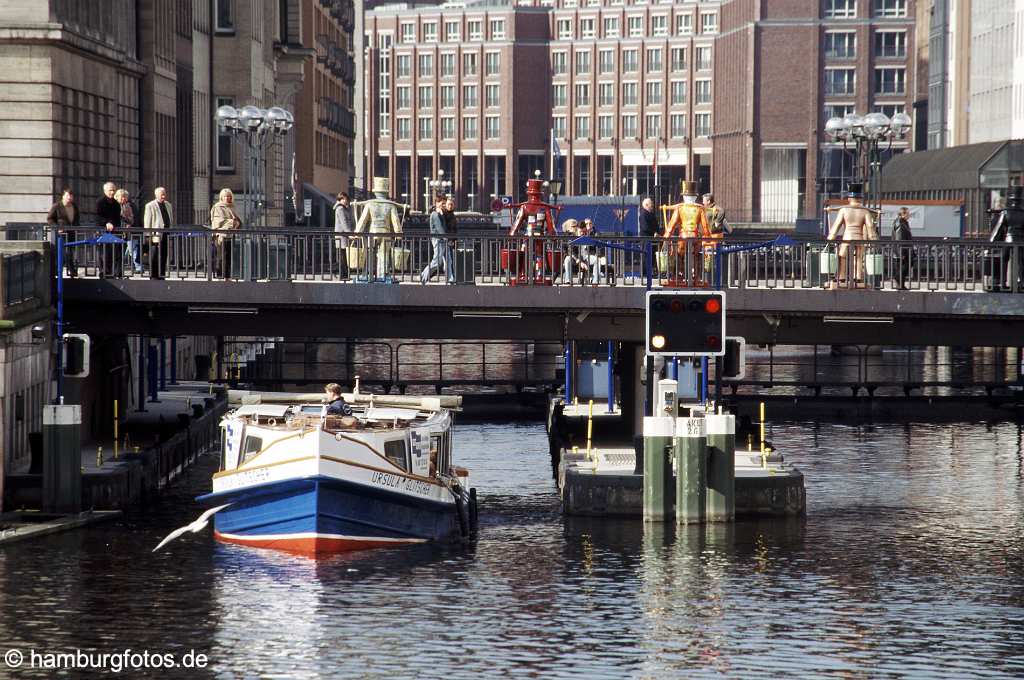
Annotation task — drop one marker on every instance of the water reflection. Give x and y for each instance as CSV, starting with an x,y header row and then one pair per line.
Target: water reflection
x,y
908,563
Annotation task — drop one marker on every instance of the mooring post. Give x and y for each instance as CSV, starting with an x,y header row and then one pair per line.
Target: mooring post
x,y
62,458
657,468
691,470
721,455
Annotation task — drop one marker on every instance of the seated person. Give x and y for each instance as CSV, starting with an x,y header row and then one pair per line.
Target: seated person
x,y
336,406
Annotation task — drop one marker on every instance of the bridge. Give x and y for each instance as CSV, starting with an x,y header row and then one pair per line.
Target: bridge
x,y
291,283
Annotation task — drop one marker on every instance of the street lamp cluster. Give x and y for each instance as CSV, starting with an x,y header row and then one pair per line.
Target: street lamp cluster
x,y
437,187
867,133
258,129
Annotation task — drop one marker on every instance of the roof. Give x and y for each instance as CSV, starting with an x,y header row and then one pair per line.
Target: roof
x,y
955,167
265,410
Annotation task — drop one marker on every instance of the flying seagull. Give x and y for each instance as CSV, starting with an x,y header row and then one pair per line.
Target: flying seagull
x,y
195,527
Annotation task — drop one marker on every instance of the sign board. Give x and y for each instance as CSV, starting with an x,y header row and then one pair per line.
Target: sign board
x,y
307,207
686,323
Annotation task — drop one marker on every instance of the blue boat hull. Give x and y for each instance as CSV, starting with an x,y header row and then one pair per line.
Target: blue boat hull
x,y
325,514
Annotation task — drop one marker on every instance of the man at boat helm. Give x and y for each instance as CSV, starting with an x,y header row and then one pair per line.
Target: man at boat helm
x,y
336,406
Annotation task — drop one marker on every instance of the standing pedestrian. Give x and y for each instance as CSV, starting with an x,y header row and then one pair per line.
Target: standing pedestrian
x,y
129,221
442,256
108,217
159,218
647,219
344,223
224,220
901,232
63,214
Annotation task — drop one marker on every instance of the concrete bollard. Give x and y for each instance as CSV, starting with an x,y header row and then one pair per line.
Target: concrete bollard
x,y
62,458
721,447
657,468
691,470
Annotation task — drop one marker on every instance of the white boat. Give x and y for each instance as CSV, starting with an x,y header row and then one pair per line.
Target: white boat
x,y
294,479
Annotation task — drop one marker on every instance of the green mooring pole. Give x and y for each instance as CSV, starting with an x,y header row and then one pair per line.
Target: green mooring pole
x,y
691,470
657,468
62,458
721,445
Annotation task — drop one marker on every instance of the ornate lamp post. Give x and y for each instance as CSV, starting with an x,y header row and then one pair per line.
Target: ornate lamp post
x,y
258,129
867,134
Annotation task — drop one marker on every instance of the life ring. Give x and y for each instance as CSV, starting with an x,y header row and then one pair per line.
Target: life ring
x,y
272,422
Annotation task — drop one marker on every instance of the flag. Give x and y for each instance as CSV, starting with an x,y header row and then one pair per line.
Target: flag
x,y
296,188
656,140
556,154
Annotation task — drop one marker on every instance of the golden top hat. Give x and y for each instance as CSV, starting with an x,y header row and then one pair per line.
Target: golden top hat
x,y
688,188
381,185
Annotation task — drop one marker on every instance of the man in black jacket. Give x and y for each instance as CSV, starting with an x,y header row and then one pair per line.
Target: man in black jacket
x,y
901,232
108,217
63,214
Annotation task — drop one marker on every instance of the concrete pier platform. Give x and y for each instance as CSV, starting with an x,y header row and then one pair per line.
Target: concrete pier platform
x,y
604,485
21,526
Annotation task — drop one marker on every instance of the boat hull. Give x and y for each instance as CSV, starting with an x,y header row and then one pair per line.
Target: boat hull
x,y
324,514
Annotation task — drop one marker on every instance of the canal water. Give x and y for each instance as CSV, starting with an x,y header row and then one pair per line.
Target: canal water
x,y
908,564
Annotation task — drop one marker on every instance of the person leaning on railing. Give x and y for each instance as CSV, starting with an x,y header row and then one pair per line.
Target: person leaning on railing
x,y
62,215
224,220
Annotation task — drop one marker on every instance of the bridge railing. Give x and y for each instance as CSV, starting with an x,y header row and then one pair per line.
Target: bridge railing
x,y
301,255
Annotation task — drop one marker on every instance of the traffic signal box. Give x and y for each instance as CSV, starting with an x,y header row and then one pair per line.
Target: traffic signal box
x,y
686,323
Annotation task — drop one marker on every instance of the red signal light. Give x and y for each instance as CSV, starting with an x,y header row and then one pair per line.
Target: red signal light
x,y
713,306
676,306
713,342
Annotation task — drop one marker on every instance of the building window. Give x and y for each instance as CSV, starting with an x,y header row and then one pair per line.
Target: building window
x,y
492,127
605,94
636,26
564,29
225,16
408,32
426,96
492,63
475,30
448,128
840,9
629,126
447,65
469,64
403,98
583,94
606,61
559,63
469,127
840,45
559,96
426,65
403,65
708,23
653,93
890,8
630,61
587,28
659,24
384,84
703,55
558,127
702,92
891,44
497,29
684,24
678,92
451,31
678,59
889,110
652,124
840,81
448,96
629,94
403,128
677,125
605,127
653,59
492,96
430,32
582,62
582,127
426,129
611,27
889,81
702,124
469,96
225,150
838,110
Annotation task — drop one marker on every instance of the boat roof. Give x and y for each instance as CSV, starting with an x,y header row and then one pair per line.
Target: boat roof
x,y
390,413
265,410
